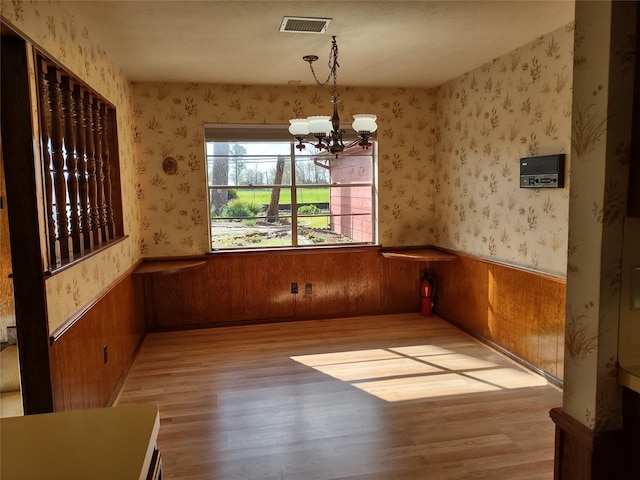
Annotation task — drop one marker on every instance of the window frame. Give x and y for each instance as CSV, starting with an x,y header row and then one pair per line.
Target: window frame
x,y
245,133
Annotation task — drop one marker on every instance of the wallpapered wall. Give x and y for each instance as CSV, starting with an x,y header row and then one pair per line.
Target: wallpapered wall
x,y
170,120
603,89
516,106
448,159
57,32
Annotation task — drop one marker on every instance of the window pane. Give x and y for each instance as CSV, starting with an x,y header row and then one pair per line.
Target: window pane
x,y
357,227
326,230
325,168
337,200
313,170
256,217
250,232
340,214
335,229
240,202
350,199
313,199
352,168
248,163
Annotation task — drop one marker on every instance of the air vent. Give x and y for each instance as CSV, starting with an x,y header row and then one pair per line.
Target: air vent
x,y
304,25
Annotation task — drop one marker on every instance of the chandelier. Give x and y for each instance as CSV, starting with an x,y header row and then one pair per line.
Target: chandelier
x,y
325,129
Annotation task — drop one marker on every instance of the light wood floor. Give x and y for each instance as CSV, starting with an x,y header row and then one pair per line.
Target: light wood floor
x,y
388,397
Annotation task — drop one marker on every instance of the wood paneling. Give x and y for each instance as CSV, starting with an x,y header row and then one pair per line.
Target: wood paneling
x,y
81,378
256,287
520,311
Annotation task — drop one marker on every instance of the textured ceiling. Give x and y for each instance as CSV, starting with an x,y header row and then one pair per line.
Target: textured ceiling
x,y
381,43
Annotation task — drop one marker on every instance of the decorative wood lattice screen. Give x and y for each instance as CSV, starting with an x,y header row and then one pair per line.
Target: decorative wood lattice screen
x,y
79,148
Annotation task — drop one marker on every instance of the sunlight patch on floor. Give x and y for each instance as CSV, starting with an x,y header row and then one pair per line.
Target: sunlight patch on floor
x,y
418,371
350,372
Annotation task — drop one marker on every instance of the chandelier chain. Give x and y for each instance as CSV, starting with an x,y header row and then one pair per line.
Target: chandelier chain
x,y
333,70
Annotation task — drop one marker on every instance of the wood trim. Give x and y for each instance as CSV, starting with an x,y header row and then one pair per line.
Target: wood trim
x,y
58,332
301,250
581,453
633,191
95,251
569,424
21,185
420,255
546,275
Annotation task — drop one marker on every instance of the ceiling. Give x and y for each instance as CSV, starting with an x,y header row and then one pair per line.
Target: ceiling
x,y
381,43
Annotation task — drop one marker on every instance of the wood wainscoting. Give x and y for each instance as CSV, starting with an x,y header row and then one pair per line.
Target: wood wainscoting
x,y
254,287
82,375
581,453
518,311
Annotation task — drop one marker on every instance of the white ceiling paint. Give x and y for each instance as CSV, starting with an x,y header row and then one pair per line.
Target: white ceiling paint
x,y
381,43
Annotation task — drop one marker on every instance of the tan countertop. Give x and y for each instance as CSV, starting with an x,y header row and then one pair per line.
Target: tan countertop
x,y
167,267
105,443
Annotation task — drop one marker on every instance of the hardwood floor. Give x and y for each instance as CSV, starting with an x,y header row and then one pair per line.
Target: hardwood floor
x,y
383,397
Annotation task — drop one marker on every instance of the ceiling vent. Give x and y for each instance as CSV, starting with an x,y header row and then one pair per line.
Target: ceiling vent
x,y
304,25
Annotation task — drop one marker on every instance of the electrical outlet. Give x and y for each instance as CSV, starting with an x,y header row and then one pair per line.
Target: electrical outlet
x,y
294,287
308,289
105,354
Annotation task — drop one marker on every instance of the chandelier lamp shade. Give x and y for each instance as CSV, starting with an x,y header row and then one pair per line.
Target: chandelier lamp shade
x,y
326,129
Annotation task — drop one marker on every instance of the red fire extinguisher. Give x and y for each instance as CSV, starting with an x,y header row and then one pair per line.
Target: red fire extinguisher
x,y
427,292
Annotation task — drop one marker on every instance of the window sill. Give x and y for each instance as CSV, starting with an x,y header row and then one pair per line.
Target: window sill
x,y
299,250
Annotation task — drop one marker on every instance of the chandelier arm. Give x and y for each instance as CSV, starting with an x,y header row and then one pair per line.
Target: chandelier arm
x,y
331,140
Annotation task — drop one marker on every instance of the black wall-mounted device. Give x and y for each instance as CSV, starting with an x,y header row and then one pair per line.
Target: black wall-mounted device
x,y
545,171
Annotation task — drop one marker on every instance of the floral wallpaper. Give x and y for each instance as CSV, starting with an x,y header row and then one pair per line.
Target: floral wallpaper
x,y
57,32
448,158
171,119
600,146
518,105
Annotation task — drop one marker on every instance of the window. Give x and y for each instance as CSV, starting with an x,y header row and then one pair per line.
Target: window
x,y
80,166
264,192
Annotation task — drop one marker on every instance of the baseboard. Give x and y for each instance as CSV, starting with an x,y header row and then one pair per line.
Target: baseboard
x,y
509,354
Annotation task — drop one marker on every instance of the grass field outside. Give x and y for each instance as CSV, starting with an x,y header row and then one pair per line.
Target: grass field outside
x,y
306,195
